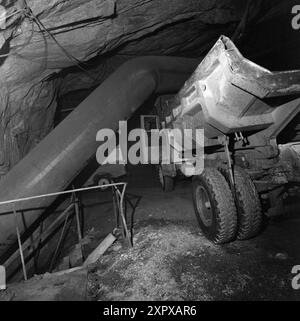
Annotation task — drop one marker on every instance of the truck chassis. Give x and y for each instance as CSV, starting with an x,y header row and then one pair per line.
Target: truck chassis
x,y
243,109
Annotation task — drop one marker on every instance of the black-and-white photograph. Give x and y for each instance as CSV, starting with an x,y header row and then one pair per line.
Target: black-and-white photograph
x,y
149,152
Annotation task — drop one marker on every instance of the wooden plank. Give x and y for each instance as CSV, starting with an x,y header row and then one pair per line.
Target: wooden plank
x,y
68,271
100,250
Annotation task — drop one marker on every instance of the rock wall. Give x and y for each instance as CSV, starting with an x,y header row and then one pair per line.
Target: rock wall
x,y
110,30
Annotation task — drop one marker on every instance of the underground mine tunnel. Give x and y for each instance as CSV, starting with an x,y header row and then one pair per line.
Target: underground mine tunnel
x,y
149,150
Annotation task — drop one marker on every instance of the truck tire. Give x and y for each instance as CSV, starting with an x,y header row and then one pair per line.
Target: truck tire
x,y
248,204
167,182
214,206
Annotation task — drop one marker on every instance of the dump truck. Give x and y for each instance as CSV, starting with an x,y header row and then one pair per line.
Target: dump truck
x,y
243,108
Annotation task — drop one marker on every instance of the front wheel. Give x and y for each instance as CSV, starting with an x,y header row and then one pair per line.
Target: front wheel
x,y
214,206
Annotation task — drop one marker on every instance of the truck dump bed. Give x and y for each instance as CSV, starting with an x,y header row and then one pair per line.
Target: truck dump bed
x,y
230,93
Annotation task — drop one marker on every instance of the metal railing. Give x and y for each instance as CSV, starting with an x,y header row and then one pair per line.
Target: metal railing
x,y
118,199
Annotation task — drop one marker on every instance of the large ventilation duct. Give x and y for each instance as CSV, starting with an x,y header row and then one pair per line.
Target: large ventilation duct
x,y
57,160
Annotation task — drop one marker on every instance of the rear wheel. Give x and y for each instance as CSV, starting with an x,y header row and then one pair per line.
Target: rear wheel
x,y
214,206
248,204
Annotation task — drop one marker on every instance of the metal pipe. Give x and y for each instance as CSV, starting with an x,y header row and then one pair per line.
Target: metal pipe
x,y
60,156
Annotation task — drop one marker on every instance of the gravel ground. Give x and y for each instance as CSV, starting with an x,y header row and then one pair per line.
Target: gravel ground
x,y
175,262
170,259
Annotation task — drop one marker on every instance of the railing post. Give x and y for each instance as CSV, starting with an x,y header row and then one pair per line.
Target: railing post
x,y
77,214
32,244
2,278
20,243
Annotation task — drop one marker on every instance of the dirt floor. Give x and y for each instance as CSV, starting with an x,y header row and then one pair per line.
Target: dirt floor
x,y
170,259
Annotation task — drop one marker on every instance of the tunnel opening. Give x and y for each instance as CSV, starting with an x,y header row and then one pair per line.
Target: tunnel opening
x,y
55,64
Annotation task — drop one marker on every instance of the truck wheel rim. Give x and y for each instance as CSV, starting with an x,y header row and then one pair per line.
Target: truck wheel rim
x,y
204,206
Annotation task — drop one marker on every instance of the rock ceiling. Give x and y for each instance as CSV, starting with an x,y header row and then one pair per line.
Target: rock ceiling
x,y
39,39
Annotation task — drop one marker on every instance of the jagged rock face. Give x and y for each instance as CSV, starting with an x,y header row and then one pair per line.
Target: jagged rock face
x,y
110,30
